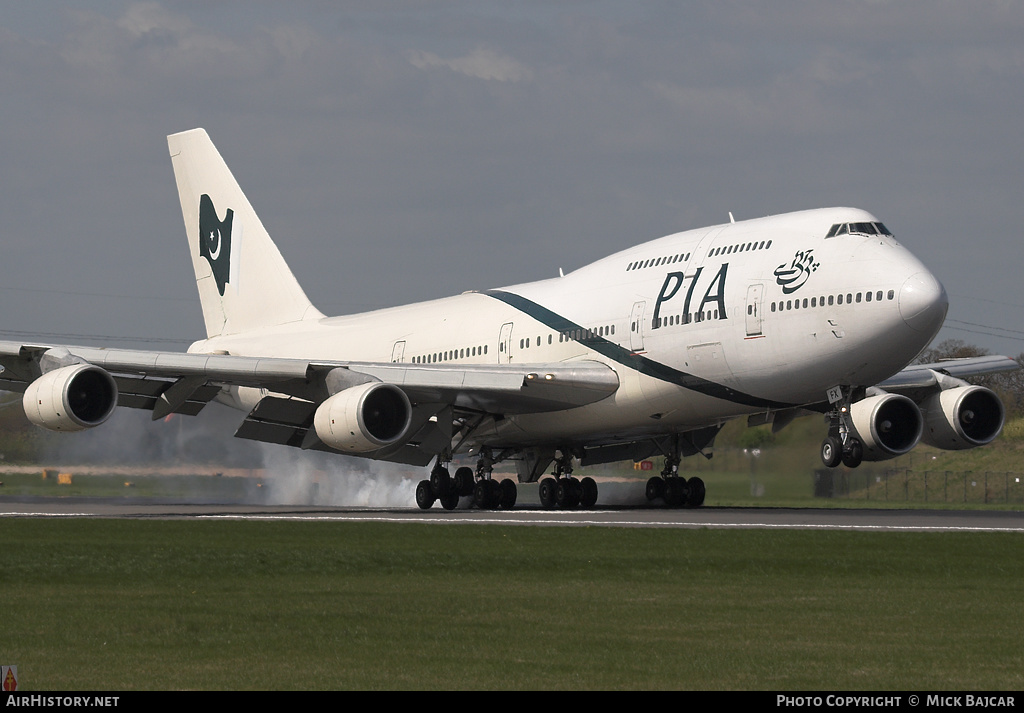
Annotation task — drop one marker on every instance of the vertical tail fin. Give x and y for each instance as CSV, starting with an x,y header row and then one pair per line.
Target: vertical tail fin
x,y
243,281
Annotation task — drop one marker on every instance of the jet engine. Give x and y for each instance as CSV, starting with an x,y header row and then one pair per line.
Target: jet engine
x,y
363,418
964,417
888,425
71,398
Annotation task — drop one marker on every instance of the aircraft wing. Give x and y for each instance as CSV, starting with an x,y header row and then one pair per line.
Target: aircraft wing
x,y
288,392
931,376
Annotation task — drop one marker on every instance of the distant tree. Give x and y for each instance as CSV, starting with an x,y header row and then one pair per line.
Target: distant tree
x,y
20,441
756,438
949,349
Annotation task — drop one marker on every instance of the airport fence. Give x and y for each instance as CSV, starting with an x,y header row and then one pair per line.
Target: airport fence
x,y
929,486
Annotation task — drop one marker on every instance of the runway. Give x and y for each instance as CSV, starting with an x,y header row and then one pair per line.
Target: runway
x,y
646,517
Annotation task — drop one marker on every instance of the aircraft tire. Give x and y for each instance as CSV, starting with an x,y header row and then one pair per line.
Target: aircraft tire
x,y
588,492
655,488
450,501
425,495
676,492
484,496
697,492
547,492
463,481
567,493
853,456
440,481
509,493
831,452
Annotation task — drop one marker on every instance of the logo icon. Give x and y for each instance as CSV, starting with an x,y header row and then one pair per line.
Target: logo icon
x,y
9,674
215,241
792,277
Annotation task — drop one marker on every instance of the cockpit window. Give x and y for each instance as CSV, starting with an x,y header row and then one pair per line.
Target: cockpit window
x,y
858,229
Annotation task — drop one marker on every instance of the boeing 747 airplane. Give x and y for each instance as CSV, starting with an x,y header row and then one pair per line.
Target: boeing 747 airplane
x,y
645,353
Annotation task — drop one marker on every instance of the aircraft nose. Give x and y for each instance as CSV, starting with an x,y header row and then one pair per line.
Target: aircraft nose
x,y
923,302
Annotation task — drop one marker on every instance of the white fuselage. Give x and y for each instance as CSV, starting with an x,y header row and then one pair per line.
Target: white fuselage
x,y
700,326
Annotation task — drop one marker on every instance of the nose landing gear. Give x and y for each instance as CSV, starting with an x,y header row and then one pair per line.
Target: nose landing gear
x,y
841,445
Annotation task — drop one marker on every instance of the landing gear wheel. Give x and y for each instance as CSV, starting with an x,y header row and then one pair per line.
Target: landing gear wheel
x,y
588,492
507,494
450,501
425,495
676,492
655,488
853,456
463,481
547,492
486,494
440,480
831,452
567,493
696,496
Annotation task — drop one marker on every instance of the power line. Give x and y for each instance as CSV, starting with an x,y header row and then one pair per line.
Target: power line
x,y
98,294
986,326
987,334
92,337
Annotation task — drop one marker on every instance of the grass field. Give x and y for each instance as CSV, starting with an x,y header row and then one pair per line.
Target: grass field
x,y
123,605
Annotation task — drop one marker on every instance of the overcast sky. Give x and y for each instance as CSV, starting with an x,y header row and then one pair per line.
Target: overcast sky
x,y
400,151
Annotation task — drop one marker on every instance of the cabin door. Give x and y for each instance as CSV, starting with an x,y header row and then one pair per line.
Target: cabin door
x,y
755,304
398,352
505,344
636,327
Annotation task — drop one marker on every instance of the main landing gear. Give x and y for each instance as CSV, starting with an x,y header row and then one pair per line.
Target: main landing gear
x,y
673,488
488,493
841,445
562,490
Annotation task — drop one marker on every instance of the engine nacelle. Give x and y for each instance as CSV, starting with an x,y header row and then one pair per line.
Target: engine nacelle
x,y
888,425
964,417
71,398
363,418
